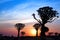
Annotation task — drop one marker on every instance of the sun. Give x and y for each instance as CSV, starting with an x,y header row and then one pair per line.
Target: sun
x,y
33,32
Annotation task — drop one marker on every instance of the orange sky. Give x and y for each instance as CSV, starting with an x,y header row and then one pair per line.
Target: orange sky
x,y
28,29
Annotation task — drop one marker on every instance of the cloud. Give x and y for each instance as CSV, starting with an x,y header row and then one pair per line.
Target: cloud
x,y
21,11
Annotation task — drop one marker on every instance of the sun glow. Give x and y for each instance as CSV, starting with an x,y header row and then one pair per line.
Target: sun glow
x,y
33,32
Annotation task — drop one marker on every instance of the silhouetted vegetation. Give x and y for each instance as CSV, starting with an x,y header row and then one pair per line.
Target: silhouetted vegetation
x,y
19,26
36,26
46,14
22,33
52,37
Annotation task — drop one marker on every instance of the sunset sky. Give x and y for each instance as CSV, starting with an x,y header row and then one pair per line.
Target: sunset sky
x,y
20,11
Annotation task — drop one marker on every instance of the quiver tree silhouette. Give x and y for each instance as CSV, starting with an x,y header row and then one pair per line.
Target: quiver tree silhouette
x,y
36,26
19,26
46,14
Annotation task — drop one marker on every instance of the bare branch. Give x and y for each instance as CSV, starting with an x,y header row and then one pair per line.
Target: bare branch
x,y
36,18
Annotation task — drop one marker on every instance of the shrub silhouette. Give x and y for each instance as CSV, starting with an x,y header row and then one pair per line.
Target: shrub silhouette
x,y
56,34
50,33
22,33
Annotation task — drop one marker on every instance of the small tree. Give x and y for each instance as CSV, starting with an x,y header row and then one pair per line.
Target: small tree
x,y
19,27
36,26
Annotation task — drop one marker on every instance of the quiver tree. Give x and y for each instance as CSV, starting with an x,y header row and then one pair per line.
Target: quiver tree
x,y
46,14
19,26
36,26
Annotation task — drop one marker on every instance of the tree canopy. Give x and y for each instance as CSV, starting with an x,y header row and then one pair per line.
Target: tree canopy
x,y
47,13
19,26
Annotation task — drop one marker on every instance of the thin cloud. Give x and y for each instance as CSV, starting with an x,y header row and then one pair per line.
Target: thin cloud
x,y
22,11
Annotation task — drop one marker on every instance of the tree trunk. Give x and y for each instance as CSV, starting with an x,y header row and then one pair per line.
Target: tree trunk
x,y
42,34
18,34
36,33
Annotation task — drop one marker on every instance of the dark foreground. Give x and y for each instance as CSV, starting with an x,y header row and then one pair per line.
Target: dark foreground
x,y
29,38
